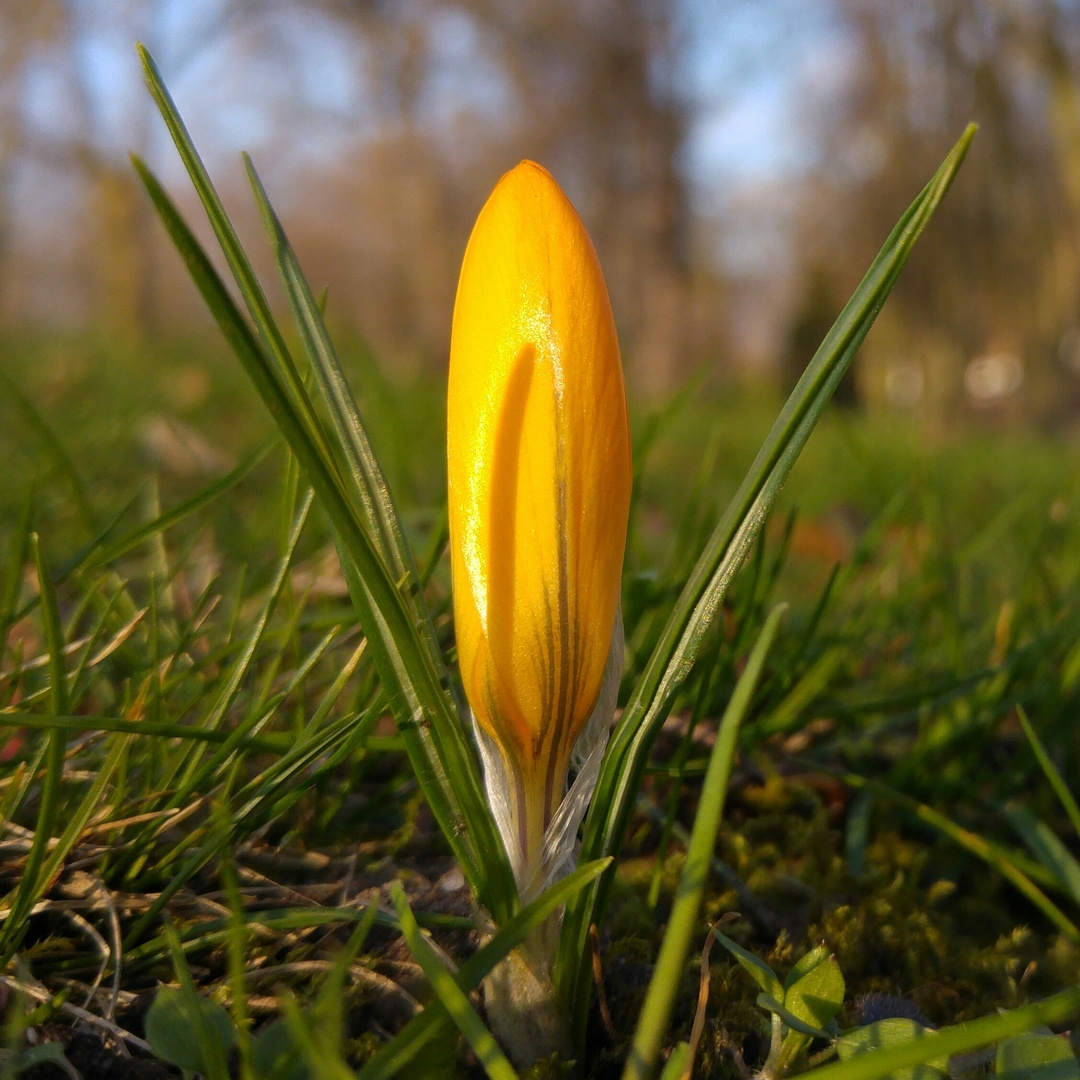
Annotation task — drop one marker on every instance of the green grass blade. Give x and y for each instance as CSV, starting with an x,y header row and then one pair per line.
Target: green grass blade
x,y
30,887
197,778
678,1065
80,818
21,781
989,852
267,744
335,690
269,794
1057,782
789,712
451,996
93,653
54,447
677,763
239,265
211,1050
441,756
674,655
331,997
655,1014
102,550
1047,848
320,1056
420,1031
360,467
20,552
212,932
446,768
195,862
237,954
958,1039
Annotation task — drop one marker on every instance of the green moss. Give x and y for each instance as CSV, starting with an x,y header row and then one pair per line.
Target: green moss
x,y
923,922
550,1069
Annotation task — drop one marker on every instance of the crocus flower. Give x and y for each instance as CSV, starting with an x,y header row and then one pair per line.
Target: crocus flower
x,y
539,489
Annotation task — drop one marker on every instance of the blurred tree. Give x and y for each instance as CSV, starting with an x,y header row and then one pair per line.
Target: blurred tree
x,y
998,274
588,90
22,28
78,241
596,89
104,260
815,313
446,95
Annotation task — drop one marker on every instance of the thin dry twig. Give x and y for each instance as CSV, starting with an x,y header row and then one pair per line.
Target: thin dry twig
x,y
598,978
100,944
702,1002
362,974
115,936
126,998
73,647
135,819
40,993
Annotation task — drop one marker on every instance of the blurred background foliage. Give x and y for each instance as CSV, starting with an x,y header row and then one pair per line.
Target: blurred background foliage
x,y
736,162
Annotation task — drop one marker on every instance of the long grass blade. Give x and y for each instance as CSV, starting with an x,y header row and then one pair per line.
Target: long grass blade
x,y
958,1039
82,815
211,1050
266,744
441,756
29,888
1057,781
422,1029
268,795
212,932
239,265
655,1014
360,468
322,1060
1047,848
989,852
674,655
20,550
452,997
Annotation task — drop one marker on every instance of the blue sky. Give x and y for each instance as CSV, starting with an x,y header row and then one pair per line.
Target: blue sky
x,y
746,68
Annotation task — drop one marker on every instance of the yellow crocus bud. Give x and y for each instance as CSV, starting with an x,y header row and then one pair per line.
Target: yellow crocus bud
x,y
539,487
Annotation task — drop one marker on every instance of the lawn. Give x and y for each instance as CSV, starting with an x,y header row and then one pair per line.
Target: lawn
x,y
933,588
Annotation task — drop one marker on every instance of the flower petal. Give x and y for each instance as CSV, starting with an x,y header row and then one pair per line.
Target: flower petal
x,y
539,483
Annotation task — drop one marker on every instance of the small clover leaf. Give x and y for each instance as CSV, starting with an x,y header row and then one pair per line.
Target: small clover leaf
x,y
762,974
275,1055
815,998
1035,1056
188,1031
891,1033
805,965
